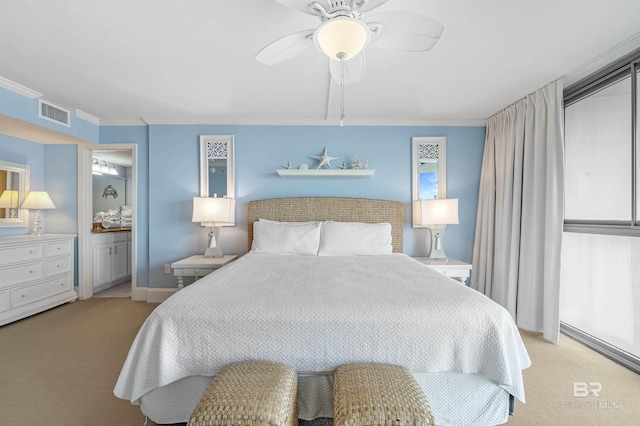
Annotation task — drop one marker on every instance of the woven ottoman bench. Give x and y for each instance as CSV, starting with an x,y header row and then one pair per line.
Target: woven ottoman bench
x,y
378,394
253,393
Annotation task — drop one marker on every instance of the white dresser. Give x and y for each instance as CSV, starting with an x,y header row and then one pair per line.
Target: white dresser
x,y
36,274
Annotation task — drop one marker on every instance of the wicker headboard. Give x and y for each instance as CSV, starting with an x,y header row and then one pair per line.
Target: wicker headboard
x,y
302,209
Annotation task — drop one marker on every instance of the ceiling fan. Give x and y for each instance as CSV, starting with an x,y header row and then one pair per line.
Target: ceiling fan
x,y
344,32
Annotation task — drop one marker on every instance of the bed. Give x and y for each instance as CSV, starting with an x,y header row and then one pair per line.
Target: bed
x,y
356,299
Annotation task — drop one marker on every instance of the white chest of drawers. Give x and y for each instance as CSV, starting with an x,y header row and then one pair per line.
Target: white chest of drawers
x,y
36,274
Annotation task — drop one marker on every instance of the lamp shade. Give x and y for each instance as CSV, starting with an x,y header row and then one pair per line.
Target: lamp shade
x,y
342,35
214,210
9,199
437,212
38,200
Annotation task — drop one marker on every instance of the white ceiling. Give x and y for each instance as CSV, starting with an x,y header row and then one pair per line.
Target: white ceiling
x,y
191,61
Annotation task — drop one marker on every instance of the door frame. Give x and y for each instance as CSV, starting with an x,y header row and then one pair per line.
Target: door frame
x,y
85,219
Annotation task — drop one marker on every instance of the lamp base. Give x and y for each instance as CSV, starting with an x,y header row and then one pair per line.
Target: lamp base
x,y
214,249
213,252
37,226
436,250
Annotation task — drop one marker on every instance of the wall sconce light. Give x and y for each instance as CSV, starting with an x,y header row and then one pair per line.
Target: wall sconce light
x,y
95,167
102,167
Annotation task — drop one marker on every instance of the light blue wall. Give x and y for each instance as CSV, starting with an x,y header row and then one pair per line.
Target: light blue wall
x,y
260,150
61,171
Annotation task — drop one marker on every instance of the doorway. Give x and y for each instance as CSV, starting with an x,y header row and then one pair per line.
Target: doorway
x,y
126,155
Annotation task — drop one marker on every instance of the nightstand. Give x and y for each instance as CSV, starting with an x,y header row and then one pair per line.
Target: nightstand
x,y
452,268
198,266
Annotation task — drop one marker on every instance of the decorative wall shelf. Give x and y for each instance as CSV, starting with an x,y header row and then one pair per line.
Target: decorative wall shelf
x,y
325,173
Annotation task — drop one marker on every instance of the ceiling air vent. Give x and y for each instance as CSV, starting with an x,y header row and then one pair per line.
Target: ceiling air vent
x,y
54,113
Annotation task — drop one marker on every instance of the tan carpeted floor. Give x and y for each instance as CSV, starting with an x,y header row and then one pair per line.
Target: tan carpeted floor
x,y
59,368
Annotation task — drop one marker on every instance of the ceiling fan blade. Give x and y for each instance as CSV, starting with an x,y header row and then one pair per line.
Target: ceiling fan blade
x,y
286,48
404,31
353,69
363,6
304,5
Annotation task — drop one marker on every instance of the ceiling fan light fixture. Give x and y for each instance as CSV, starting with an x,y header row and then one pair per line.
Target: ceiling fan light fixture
x,y
342,35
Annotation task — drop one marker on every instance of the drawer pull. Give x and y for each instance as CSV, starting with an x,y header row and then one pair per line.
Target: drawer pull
x,y
23,295
110,248
31,271
58,248
197,271
116,249
32,251
58,265
61,284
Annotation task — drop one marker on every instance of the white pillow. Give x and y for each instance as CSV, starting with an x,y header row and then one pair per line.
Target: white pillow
x,y
286,237
355,238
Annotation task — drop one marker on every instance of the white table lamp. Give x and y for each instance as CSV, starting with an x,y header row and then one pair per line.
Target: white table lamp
x,y
214,212
434,214
9,200
39,200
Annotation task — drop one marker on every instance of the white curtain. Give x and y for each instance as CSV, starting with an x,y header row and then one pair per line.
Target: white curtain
x,y
516,253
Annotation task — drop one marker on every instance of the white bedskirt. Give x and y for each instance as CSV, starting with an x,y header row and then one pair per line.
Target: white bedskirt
x,y
455,399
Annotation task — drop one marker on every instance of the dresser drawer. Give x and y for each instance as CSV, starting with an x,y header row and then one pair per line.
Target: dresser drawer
x,y
20,274
5,300
57,266
22,253
32,293
57,248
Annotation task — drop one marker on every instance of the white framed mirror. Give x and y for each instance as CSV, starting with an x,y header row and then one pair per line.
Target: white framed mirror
x,y
428,169
217,166
14,186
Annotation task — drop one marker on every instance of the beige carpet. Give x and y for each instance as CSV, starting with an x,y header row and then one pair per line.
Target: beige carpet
x,y
58,368
549,386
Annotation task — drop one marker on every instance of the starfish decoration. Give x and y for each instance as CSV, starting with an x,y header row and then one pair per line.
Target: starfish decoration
x,y
288,166
344,166
324,159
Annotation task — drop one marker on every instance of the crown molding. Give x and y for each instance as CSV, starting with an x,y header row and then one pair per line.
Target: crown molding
x,y
315,122
18,88
87,117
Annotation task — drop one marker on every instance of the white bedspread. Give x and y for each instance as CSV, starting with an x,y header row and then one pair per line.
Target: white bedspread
x,y
316,313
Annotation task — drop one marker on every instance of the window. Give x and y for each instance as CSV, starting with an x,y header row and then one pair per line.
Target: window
x,y
600,280
598,156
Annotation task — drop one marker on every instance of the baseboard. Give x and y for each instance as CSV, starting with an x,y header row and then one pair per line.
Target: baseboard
x,y
139,294
159,295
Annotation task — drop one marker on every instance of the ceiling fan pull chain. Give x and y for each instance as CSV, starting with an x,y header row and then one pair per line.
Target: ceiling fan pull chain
x,y
342,55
